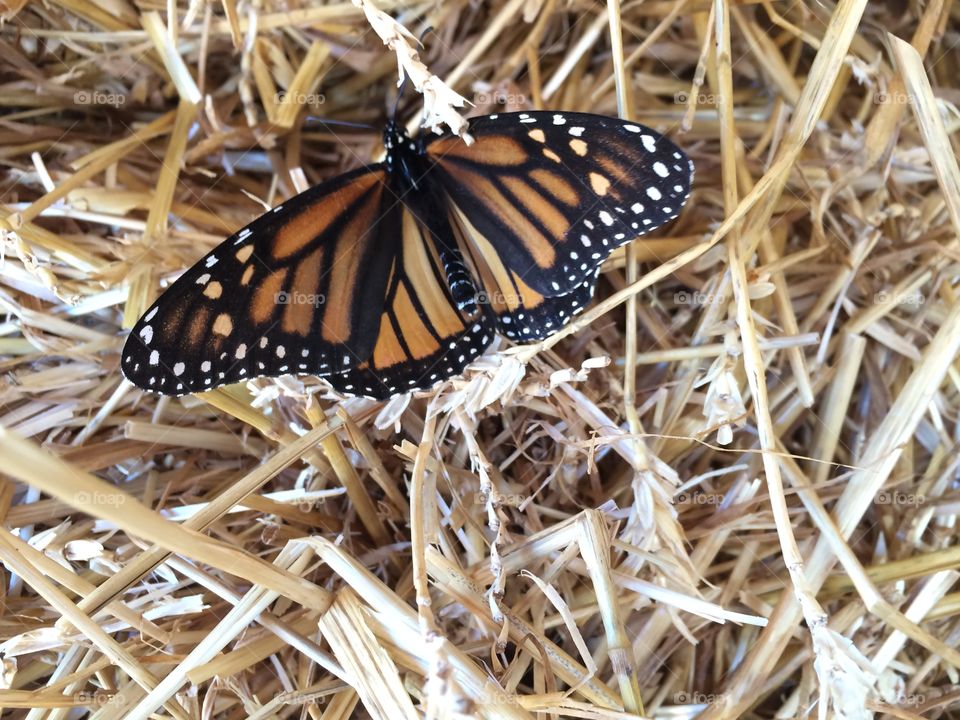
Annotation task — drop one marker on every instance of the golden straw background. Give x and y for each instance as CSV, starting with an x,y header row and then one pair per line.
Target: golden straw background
x,y
729,489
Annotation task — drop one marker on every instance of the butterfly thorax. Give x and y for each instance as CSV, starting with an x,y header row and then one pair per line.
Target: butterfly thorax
x,y
402,153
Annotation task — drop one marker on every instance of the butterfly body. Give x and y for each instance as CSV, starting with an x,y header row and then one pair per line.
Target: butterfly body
x,y
395,276
408,166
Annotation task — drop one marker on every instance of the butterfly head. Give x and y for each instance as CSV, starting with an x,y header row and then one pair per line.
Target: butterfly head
x,y
399,149
394,137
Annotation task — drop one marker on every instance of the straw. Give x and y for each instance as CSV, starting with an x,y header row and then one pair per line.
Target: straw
x,y
725,489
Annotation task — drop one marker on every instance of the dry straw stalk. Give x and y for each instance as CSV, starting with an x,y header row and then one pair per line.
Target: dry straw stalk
x,y
727,489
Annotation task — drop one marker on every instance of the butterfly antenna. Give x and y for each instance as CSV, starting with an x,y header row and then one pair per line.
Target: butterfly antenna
x,y
427,29
314,120
396,104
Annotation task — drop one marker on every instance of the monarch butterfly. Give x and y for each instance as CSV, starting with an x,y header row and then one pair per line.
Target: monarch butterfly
x,y
395,276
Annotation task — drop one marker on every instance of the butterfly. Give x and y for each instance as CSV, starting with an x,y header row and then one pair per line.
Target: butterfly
x,y
395,276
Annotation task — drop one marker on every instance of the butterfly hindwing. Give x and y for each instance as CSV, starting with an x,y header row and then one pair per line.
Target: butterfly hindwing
x,y
424,337
532,316
555,193
520,312
299,290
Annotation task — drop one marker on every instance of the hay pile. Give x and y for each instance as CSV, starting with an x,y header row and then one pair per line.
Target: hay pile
x,y
729,489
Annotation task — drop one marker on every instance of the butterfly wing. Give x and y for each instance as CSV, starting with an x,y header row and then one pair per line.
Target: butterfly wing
x,y
256,304
520,312
425,335
547,196
315,286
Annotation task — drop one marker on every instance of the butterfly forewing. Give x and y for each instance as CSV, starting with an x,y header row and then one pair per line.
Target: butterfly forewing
x,y
280,296
553,194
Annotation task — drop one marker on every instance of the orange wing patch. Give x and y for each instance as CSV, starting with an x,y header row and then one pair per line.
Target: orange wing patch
x,y
266,296
425,329
496,149
539,247
303,296
388,351
487,265
416,335
345,270
197,327
301,229
530,297
547,214
556,186
418,264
